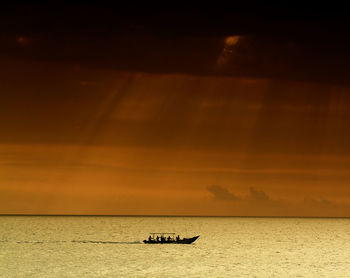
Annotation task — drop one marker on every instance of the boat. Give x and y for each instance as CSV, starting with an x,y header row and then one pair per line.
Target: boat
x,y
168,238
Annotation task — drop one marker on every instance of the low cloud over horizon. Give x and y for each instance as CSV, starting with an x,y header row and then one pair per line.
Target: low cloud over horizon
x,y
260,203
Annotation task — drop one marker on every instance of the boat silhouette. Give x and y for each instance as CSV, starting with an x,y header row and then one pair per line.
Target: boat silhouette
x,y
168,238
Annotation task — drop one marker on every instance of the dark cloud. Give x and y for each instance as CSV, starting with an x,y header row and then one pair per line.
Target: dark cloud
x,y
280,41
258,202
211,19
319,203
258,195
221,193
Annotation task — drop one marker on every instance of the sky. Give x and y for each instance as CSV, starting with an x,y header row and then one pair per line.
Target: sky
x,y
110,110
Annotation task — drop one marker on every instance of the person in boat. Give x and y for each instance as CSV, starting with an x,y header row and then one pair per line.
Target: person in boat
x,y
177,238
149,238
169,238
157,238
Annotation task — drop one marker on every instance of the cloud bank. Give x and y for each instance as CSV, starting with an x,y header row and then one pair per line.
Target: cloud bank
x,y
258,203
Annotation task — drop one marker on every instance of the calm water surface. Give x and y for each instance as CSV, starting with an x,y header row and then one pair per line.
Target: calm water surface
x,y
228,247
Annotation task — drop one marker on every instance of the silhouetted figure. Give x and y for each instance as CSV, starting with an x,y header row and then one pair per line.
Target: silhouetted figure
x,y
150,238
177,238
157,238
169,238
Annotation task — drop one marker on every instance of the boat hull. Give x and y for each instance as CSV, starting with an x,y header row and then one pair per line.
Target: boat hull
x,y
181,241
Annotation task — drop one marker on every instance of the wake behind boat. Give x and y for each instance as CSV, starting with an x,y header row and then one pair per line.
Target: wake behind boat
x,y
168,238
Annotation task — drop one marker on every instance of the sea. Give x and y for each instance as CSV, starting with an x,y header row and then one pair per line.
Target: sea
x,y
111,246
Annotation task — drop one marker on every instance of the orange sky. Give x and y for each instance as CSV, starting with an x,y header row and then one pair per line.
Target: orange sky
x,y
75,140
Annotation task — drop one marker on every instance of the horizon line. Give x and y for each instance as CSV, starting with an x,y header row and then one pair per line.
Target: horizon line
x,y
163,215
